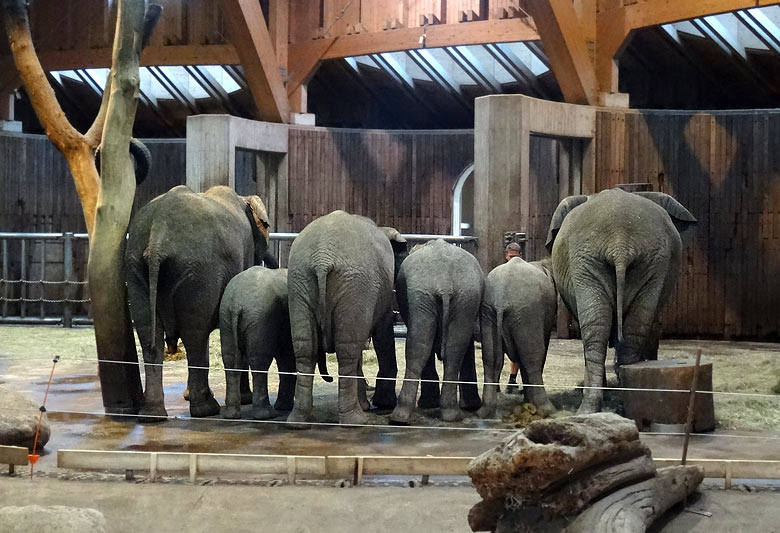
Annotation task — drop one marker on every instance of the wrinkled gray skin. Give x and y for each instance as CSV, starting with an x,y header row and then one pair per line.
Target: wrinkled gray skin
x,y
616,251
183,249
439,289
340,285
254,328
517,316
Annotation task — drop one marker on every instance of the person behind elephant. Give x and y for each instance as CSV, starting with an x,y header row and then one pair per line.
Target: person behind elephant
x,y
512,250
254,328
439,289
183,249
517,316
615,258
340,290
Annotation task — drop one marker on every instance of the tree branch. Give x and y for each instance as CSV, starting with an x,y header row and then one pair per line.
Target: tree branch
x,y
95,132
17,26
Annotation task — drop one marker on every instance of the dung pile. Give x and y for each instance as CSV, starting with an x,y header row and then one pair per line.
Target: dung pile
x,y
576,474
522,415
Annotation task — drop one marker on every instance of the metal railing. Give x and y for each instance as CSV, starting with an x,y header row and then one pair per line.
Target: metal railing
x,y
39,282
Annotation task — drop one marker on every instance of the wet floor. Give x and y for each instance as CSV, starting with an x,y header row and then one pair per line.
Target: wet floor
x,y
75,391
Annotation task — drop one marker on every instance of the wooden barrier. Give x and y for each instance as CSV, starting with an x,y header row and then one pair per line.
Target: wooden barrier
x,y
343,466
12,456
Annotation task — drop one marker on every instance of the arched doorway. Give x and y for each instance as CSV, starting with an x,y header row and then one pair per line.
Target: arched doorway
x,y
463,202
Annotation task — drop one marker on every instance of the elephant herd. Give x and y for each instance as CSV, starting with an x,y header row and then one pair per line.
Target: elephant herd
x,y
190,257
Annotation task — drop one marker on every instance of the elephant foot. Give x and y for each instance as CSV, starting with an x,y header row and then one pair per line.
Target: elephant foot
x,y
452,414
356,417
246,398
400,416
364,404
428,401
470,404
264,412
545,408
384,397
283,404
486,412
587,408
231,411
297,419
207,407
152,413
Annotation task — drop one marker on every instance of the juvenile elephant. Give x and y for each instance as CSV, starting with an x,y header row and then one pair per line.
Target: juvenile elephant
x,y
439,289
254,328
182,250
615,258
340,285
517,316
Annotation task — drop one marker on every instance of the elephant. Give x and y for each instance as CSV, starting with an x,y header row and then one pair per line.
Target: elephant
x,y
183,248
254,328
340,285
517,315
439,290
615,258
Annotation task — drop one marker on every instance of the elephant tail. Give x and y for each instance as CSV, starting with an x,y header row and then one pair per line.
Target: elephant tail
x,y
620,283
154,261
322,307
322,365
445,318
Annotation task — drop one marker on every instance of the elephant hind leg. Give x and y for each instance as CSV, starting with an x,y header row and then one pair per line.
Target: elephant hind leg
x,y
419,346
469,393
202,402
285,363
349,357
455,351
595,315
429,386
531,362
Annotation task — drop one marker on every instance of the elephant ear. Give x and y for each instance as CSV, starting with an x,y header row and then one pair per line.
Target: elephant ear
x,y
397,240
681,217
563,209
255,210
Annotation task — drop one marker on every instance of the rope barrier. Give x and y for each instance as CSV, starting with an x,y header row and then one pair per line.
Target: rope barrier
x,y
455,382
42,281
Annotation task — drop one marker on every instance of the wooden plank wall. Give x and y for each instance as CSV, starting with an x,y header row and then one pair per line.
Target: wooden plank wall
x,y
402,179
37,192
545,170
725,168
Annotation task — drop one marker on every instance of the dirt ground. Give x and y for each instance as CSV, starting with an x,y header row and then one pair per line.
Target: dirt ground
x,y
737,367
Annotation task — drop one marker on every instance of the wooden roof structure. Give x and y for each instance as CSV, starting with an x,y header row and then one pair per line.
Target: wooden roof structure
x,y
407,55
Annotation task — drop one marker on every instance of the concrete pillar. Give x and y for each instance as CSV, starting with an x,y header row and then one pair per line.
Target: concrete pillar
x,y
501,174
7,122
211,158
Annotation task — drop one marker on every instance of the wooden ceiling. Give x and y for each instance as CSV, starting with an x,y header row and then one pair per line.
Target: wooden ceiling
x,y
280,44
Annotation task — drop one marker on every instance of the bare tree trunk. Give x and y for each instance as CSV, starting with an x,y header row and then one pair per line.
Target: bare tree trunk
x,y
106,205
106,267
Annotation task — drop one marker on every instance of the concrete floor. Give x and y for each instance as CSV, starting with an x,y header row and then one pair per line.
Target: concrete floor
x,y
163,508
178,506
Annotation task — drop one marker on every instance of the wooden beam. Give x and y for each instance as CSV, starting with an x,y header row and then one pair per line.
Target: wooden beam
x,y
278,22
303,61
479,32
173,55
246,26
564,44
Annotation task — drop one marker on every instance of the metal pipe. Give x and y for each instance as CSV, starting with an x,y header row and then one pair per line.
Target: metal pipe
x,y
5,277
23,278
68,292
43,276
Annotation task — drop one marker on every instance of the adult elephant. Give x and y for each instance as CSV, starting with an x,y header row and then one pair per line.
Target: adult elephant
x,y
615,258
439,289
183,249
340,290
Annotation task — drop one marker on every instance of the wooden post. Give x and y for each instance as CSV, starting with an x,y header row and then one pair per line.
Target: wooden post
x,y
689,421
67,307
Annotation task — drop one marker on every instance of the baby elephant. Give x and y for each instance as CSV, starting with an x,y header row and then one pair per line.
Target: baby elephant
x,y
254,326
518,313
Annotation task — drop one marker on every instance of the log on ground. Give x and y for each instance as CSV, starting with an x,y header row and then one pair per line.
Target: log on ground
x,y
635,507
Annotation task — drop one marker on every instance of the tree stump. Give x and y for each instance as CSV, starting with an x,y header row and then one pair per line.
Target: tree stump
x,y
646,407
